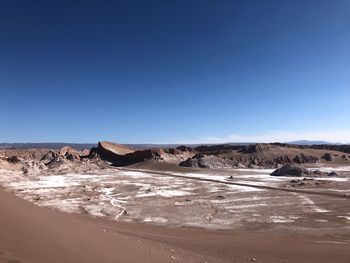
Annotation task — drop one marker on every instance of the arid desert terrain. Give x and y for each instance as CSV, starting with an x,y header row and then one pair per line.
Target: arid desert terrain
x,y
211,203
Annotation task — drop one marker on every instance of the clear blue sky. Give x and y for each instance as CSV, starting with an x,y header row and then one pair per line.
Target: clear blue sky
x,y
174,71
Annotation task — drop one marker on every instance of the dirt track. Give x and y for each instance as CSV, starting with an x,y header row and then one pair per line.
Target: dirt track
x,y
339,195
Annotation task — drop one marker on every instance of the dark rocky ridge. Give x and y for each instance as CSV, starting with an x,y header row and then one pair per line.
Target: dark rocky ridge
x,y
263,155
298,171
120,155
302,159
195,161
345,148
291,170
328,157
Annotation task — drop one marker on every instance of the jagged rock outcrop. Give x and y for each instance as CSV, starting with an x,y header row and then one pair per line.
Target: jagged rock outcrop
x,y
328,157
219,149
13,159
301,159
84,152
281,160
44,161
184,148
196,161
333,174
56,157
69,153
32,167
345,157
180,150
260,147
291,170
143,155
267,155
50,157
345,148
93,154
172,151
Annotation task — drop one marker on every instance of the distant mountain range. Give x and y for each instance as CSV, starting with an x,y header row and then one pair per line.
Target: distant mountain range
x,y
49,145
306,142
81,146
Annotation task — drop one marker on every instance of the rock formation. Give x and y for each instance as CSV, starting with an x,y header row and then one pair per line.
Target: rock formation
x,y
333,174
260,147
112,152
50,157
205,156
328,157
13,159
301,159
69,153
345,157
291,170
196,161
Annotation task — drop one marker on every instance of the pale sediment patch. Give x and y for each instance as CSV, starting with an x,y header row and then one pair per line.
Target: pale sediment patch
x,y
182,203
65,205
321,210
214,189
328,169
164,193
263,177
307,201
241,188
160,220
263,171
247,206
321,220
334,179
221,201
344,191
253,198
148,190
114,202
134,174
346,217
94,210
281,219
333,242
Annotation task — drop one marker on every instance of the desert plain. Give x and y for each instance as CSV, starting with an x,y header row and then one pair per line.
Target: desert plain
x,y
210,203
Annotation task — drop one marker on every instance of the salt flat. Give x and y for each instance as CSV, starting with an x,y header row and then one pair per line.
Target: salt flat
x,y
150,197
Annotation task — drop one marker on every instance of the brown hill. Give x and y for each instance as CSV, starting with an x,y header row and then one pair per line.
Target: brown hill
x,y
266,155
112,152
121,155
114,148
213,156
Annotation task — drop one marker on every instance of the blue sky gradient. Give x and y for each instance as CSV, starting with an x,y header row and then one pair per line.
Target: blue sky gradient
x,y
174,71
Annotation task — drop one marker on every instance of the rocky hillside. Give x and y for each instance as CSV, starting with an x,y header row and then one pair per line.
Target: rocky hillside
x,y
120,155
264,155
65,159
45,161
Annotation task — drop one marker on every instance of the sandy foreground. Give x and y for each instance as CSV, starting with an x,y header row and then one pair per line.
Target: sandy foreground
x,y
35,234
234,223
